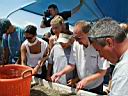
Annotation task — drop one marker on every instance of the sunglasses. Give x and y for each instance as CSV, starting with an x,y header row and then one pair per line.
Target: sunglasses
x,y
91,38
99,40
29,38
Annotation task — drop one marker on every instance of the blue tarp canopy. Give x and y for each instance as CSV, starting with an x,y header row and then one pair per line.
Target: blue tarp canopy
x,y
24,12
91,9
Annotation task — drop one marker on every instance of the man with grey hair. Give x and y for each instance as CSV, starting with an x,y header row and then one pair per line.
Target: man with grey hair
x,y
110,40
86,59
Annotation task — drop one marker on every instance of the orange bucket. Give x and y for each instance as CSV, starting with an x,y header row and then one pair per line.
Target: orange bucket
x,y
15,80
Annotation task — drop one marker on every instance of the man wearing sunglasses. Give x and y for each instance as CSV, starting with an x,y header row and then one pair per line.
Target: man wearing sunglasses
x,y
85,58
33,51
110,40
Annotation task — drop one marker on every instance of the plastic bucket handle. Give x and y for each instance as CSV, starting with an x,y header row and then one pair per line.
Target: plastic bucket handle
x,y
26,73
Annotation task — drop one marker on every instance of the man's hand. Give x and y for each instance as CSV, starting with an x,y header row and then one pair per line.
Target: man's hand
x,y
35,70
73,82
48,78
82,84
55,77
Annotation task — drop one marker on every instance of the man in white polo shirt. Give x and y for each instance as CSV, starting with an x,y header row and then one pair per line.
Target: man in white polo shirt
x,y
90,67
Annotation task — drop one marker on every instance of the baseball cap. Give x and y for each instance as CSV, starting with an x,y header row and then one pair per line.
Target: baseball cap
x,y
64,38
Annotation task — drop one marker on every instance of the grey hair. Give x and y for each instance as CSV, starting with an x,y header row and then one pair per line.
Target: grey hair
x,y
86,26
107,27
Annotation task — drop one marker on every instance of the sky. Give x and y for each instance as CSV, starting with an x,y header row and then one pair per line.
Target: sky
x,y
7,6
19,18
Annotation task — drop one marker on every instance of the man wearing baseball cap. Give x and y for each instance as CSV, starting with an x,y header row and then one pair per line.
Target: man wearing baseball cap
x,y
59,57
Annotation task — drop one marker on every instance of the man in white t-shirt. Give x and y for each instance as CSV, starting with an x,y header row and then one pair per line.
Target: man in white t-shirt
x,y
90,67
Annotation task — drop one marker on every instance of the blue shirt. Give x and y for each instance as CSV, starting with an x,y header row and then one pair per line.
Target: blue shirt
x,y
13,41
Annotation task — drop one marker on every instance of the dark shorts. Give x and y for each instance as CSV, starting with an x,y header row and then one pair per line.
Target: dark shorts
x,y
97,90
43,74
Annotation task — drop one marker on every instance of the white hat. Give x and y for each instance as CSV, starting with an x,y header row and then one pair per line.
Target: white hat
x,y
64,38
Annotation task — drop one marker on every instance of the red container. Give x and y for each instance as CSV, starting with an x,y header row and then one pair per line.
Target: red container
x,y
15,80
